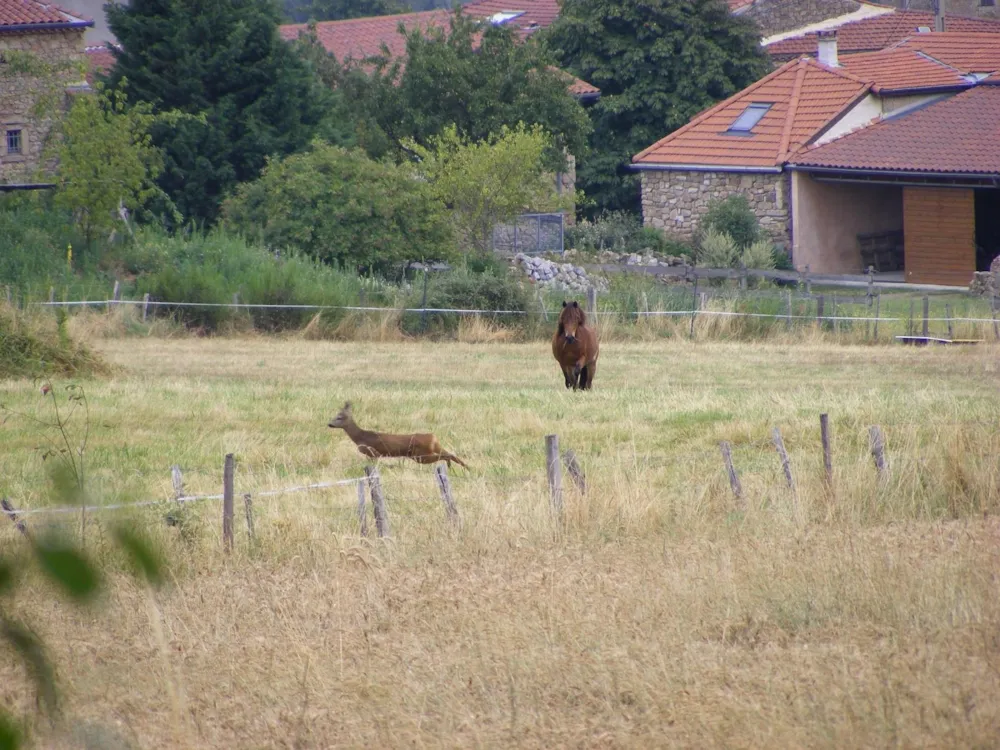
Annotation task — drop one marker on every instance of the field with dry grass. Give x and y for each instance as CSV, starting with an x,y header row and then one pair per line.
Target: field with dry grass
x,y
658,612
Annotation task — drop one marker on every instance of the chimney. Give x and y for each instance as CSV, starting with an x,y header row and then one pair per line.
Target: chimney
x,y
828,48
938,15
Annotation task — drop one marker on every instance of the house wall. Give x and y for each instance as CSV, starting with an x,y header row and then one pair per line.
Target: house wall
x,y
829,216
964,8
861,114
21,93
939,233
675,201
777,16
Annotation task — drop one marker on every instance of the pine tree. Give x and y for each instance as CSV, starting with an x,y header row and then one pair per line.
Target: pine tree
x,y
658,63
243,93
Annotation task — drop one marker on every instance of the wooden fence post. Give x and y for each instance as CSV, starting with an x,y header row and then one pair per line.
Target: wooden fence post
x,y
145,306
909,322
177,480
788,309
809,285
441,473
11,513
378,501
925,330
734,480
115,295
877,440
236,298
951,328
248,506
554,472
52,295
878,308
573,467
996,325
871,283
824,431
227,503
592,302
362,515
6,290
694,305
786,465
820,303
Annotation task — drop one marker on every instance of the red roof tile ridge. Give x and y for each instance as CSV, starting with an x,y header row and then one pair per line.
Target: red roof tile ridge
x,y
793,105
720,105
371,19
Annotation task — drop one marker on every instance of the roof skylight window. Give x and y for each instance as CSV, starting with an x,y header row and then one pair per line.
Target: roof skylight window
x,y
498,19
749,118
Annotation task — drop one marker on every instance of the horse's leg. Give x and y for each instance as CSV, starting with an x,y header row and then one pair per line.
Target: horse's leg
x,y
591,369
585,378
566,376
576,376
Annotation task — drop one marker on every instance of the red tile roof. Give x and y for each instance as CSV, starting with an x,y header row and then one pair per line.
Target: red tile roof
x,y
99,60
926,61
958,135
36,13
358,38
805,97
878,32
536,14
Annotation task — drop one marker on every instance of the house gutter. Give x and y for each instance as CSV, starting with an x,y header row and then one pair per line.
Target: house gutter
x,y
701,168
896,173
63,26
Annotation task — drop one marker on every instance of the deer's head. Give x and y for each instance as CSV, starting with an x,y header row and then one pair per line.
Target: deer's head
x,y
343,417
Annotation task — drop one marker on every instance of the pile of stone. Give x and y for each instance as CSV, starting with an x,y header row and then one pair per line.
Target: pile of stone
x,y
987,283
609,257
561,276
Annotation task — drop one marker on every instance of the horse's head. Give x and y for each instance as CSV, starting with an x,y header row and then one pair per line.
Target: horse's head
x,y
343,417
570,320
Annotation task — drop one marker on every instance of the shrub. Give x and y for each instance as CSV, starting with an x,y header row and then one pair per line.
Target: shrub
x,y
338,206
782,261
612,230
36,346
461,289
759,255
732,216
717,250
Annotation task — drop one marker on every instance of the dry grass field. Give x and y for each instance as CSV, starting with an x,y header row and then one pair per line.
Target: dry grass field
x,y
658,613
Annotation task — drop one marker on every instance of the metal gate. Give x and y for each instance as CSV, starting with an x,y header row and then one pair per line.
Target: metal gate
x,y
531,234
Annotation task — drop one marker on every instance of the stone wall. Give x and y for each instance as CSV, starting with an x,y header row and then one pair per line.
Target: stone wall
x,y
777,16
30,99
962,8
676,201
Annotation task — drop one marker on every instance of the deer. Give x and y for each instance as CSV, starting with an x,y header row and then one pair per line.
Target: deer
x,y
423,448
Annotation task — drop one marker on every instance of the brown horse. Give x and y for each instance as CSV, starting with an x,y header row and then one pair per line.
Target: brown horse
x,y
575,347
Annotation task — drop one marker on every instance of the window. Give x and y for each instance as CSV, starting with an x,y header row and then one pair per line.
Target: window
x,y
14,145
750,117
498,19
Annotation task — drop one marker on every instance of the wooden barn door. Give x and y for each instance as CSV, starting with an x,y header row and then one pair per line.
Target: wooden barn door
x,y
939,235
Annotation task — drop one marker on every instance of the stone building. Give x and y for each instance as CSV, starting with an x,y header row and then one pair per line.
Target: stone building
x,y
41,63
883,158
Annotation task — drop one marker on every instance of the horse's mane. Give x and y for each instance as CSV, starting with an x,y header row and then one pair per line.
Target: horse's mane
x,y
572,312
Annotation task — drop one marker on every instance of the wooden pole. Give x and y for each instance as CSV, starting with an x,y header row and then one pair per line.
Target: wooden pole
x,y
248,506
788,309
925,330
878,306
573,467
11,513
909,322
786,465
993,313
115,292
378,501
877,440
52,295
145,306
824,431
423,308
227,503
734,480
592,302
694,305
951,328
362,515
444,485
809,285
820,302
177,480
554,472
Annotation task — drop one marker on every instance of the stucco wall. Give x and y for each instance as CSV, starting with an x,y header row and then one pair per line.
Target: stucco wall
x,y
829,216
776,16
676,201
23,94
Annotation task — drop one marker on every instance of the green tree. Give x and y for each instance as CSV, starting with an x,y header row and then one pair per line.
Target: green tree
x,y
106,160
248,94
658,63
490,181
339,206
477,79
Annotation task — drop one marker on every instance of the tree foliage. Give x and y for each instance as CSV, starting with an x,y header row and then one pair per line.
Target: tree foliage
x,y
337,10
658,63
486,182
476,79
106,159
246,92
339,206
